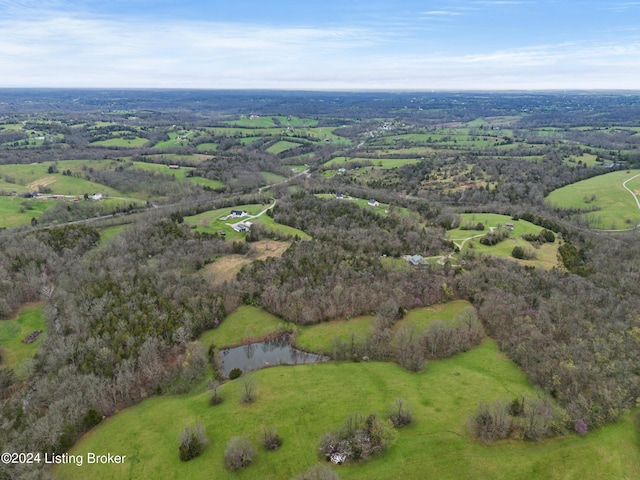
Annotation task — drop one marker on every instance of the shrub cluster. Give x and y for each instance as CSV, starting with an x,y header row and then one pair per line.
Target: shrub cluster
x,y
530,418
240,453
193,439
358,438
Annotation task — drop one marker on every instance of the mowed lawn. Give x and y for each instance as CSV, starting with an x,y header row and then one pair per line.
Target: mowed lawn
x,y
15,353
305,401
618,208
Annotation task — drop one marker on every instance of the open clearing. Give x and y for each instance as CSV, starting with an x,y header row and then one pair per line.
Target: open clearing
x,y
469,240
305,401
227,267
618,209
16,354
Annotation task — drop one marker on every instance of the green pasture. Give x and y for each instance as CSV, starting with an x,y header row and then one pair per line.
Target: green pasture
x,y
587,159
174,141
422,317
211,220
285,230
205,182
178,173
248,140
267,121
15,354
319,338
618,208
305,401
282,146
176,158
17,211
14,127
385,163
207,147
244,325
121,142
26,176
546,254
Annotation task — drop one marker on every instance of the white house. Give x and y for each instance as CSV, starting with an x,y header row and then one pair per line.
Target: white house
x,y
237,213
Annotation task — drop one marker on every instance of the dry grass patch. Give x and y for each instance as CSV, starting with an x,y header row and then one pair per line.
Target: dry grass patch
x,y
43,182
227,267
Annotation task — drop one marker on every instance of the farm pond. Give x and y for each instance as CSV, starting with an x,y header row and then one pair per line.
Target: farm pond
x,y
254,356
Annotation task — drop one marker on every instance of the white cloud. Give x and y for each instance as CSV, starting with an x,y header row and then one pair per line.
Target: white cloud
x,y
76,51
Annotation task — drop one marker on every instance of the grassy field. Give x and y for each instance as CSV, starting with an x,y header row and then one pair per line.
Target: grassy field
x,y
376,162
121,142
15,354
618,209
18,211
207,147
305,401
211,222
244,324
546,255
421,317
319,338
29,177
227,267
176,139
282,146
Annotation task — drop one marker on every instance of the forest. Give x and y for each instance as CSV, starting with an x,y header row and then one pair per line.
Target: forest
x,y
104,197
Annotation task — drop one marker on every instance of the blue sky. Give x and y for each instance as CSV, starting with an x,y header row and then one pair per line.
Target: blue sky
x,y
321,45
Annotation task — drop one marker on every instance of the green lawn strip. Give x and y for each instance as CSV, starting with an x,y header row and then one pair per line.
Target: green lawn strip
x,y
305,401
384,163
16,354
121,142
618,209
282,146
205,182
246,323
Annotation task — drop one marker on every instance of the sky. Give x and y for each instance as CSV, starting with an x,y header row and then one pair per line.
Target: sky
x,y
346,45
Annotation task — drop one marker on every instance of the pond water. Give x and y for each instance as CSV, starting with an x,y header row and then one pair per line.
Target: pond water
x,y
254,356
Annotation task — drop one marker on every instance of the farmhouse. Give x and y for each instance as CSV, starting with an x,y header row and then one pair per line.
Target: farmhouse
x,y
238,213
373,203
96,196
174,167
339,196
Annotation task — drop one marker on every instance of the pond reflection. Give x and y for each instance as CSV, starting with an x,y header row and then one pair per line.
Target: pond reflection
x,y
253,356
